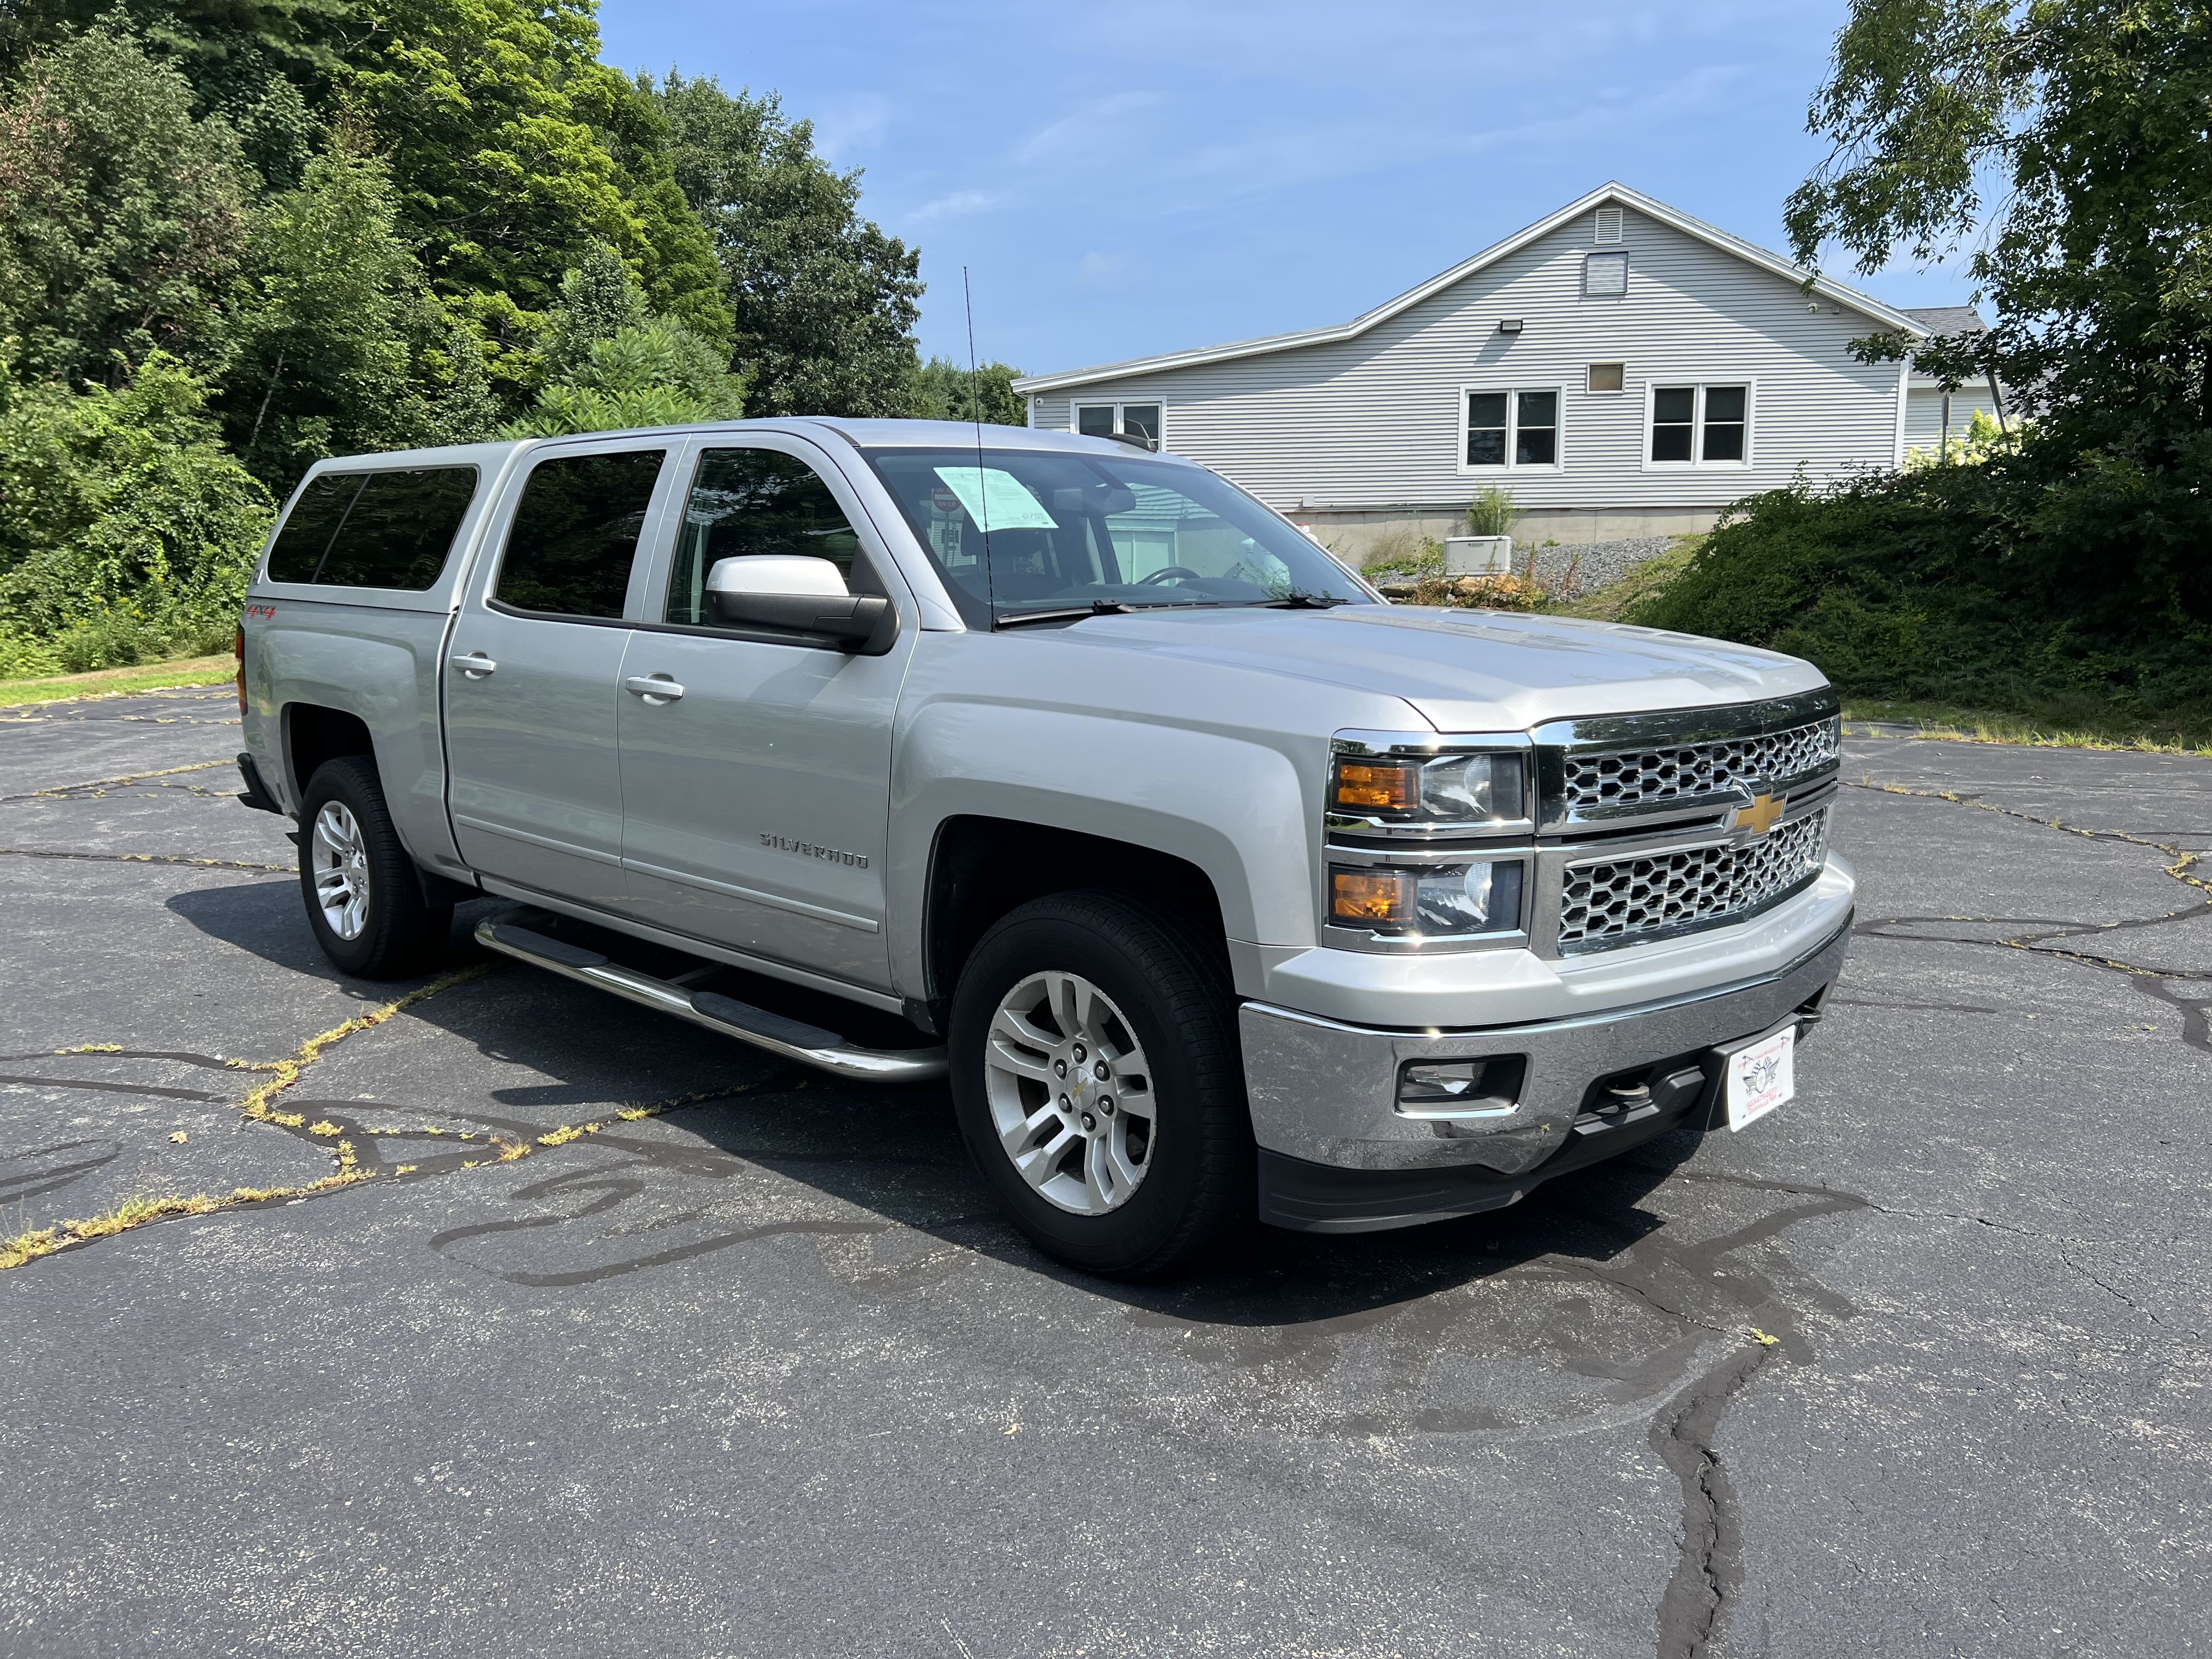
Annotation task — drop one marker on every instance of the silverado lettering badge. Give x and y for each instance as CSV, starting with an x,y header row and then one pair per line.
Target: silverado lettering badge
x,y
1763,812
807,849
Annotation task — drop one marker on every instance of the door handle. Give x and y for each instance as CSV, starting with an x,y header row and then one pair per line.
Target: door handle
x,y
475,665
653,688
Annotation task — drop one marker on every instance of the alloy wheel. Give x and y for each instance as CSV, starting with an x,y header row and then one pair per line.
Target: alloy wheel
x,y
1070,1093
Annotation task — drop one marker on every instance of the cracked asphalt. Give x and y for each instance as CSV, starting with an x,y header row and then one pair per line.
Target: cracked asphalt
x,y
1916,1365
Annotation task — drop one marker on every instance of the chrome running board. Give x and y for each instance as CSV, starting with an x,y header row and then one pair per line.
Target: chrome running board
x,y
810,1045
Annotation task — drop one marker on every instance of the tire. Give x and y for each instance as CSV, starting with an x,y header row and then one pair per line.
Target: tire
x,y
1159,1018
348,847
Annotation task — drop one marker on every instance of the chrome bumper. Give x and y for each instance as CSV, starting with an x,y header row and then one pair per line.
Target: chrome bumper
x,y
1325,1093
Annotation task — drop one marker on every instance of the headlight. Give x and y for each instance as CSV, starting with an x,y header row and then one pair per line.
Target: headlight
x,y
1483,896
1427,789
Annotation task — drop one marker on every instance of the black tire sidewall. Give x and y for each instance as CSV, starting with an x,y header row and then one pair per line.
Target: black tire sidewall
x,y
1197,1178
403,935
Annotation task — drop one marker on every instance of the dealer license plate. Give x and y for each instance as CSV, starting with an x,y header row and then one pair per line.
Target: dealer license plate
x,y
1761,1076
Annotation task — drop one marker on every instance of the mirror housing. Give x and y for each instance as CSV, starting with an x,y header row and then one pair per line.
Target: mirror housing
x,y
789,593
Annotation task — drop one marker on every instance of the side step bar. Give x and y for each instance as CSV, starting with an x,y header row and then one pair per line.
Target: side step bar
x,y
792,1039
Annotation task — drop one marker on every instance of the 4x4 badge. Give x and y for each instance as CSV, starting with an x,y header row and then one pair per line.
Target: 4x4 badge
x,y
1763,812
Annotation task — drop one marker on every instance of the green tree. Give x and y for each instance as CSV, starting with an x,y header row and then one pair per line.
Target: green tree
x,y
2069,136
945,391
120,213
333,325
825,302
127,530
612,364
496,115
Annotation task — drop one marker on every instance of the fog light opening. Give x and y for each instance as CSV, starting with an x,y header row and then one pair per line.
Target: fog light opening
x,y
1484,1086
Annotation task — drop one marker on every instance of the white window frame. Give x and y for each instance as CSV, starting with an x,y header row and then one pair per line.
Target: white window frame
x,y
1468,469
1076,406
1620,391
1652,387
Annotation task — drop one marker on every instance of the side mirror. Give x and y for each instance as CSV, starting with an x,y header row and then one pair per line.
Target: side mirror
x,y
789,593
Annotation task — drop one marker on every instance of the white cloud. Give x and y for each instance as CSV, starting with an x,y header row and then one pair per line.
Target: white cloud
x,y
1087,129
956,205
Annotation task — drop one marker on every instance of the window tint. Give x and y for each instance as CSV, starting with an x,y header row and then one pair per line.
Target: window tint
x,y
401,529
1486,429
576,533
1608,376
1536,430
314,519
1142,421
1724,423
748,501
1094,421
1674,417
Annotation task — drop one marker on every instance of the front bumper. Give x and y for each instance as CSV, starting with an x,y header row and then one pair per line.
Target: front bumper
x,y
1337,1154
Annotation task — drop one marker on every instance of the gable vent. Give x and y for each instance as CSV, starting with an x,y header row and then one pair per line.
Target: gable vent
x,y
1608,224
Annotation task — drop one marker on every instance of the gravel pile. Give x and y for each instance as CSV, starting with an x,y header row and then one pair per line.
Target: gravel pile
x,y
1597,564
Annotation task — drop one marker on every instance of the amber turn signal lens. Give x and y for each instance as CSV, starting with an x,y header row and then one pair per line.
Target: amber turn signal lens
x,y
1369,896
1383,786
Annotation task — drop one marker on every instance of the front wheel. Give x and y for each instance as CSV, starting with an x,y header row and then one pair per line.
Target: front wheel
x,y
1099,1086
364,901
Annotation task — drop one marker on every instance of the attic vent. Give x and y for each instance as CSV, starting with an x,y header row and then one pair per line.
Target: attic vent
x,y
1608,224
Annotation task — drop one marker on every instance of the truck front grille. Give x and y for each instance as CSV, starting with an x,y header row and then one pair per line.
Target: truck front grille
x,y
1625,901
1656,776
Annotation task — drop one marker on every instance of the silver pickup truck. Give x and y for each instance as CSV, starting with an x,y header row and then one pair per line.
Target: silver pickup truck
x,y
1217,887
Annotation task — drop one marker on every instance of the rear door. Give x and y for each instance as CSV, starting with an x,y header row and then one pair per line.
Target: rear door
x,y
533,674
757,798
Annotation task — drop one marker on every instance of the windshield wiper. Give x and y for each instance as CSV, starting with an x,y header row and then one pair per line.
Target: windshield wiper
x,y
1074,612
1298,600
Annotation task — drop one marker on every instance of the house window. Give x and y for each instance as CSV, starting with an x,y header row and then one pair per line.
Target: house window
x,y
1608,224
1605,274
1693,425
1138,424
1608,376
1518,427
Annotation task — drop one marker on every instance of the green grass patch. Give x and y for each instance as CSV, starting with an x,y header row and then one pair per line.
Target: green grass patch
x,y
118,682
2069,725
1642,582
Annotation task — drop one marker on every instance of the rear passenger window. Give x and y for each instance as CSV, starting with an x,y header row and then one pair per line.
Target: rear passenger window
x,y
400,531
374,529
576,533
314,519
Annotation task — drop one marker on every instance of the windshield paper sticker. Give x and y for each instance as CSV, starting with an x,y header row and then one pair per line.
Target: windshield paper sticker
x,y
996,500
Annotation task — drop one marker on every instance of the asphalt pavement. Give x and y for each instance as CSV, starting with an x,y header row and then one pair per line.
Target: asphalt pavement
x,y
1916,1365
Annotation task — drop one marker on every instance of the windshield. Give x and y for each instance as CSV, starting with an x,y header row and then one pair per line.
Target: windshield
x,y
1070,531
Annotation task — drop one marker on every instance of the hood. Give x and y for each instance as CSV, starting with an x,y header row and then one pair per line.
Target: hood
x,y
1468,670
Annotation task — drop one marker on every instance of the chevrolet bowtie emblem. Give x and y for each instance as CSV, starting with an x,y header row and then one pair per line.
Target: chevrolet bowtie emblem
x,y
1761,816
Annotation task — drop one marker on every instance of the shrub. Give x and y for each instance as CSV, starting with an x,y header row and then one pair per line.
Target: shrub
x,y
2032,581
127,532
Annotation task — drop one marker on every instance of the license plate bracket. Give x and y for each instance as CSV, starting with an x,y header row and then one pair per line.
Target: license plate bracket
x,y
1758,1075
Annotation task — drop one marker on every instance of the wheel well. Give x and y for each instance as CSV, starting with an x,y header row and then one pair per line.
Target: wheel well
x,y
981,868
313,734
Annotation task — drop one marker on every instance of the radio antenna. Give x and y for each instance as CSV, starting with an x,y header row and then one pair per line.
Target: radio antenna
x,y
975,409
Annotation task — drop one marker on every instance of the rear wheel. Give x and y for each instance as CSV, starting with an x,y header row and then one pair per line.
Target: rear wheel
x,y
363,900
1096,1077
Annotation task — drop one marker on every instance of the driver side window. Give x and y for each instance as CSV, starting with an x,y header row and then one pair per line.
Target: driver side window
x,y
748,502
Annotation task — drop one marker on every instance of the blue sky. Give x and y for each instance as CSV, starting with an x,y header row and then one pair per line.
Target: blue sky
x,y
1131,176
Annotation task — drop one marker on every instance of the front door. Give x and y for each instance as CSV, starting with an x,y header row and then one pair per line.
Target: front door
x,y
757,799
534,678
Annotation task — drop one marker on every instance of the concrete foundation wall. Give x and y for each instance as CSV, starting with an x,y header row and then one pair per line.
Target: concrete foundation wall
x,y
1370,533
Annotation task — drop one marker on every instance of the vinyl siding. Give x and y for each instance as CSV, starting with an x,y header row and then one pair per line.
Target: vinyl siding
x,y
1923,414
1374,421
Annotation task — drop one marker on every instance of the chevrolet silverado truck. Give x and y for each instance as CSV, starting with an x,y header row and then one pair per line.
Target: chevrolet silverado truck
x,y
1218,888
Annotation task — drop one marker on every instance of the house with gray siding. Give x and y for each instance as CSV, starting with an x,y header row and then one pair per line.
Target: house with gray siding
x,y
1624,369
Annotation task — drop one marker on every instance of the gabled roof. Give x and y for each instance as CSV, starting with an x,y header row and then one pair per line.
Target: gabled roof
x,y
1948,319
1751,252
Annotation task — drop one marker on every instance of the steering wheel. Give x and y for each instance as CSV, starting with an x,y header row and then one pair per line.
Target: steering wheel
x,y
1167,570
